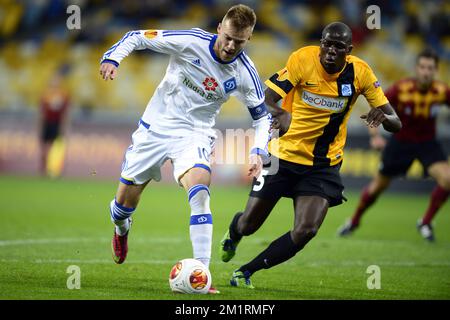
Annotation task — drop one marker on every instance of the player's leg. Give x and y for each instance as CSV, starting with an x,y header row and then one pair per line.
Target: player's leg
x,y
369,195
48,136
45,149
192,170
310,212
266,190
142,163
395,160
313,190
433,159
196,182
440,171
190,157
122,208
124,204
244,224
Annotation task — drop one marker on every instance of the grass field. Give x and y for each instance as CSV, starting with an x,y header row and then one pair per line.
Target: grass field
x,y
48,225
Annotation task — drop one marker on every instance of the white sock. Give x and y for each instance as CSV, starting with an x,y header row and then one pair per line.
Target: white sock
x,y
201,227
120,216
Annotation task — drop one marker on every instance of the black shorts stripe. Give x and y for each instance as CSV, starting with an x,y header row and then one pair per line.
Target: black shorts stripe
x,y
284,85
332,128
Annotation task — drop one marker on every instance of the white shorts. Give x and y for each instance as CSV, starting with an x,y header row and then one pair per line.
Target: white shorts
x,y
149,150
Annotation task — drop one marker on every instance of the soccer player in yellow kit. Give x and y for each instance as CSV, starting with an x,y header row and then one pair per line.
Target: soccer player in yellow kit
x,y
319,87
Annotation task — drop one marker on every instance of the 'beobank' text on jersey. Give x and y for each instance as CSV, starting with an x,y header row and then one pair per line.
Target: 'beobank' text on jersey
x,y
196,82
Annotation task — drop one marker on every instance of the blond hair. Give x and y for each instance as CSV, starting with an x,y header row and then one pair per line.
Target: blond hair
x,y
241,16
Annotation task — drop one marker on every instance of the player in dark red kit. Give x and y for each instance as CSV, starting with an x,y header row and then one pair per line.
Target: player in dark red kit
x,y
416,101
53,117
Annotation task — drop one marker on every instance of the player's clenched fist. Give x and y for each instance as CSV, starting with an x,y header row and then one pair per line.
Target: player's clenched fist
x,y
108,71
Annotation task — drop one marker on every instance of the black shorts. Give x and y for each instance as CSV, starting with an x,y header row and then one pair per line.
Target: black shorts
x,y
50,131
398,156
292,180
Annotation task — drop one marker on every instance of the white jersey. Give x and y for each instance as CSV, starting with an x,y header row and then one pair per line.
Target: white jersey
x,y
196,83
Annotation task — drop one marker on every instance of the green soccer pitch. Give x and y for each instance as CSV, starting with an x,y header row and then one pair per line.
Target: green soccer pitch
x,y
49,225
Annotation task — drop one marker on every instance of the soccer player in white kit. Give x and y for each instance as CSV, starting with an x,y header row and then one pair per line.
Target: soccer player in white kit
x,y
204,70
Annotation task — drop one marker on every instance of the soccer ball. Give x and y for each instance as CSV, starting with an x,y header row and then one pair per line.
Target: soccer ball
x,y
190,276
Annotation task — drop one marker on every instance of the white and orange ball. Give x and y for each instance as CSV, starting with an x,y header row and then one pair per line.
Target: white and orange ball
x,y
190,276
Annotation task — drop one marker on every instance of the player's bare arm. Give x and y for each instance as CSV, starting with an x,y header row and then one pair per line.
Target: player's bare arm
x,y
108,71
384,115
281,118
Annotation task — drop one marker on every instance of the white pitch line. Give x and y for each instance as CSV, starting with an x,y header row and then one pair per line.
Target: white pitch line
x,y
177,240
355,263
18,242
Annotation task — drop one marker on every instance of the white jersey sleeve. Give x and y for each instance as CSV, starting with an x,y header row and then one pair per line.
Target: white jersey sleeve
x,y
251,94
155,40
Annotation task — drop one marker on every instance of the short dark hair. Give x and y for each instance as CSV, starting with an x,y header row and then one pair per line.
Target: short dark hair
x,y
430,54
339,28
241,16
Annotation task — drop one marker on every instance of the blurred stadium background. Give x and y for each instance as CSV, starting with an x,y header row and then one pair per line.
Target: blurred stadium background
x,y
35,43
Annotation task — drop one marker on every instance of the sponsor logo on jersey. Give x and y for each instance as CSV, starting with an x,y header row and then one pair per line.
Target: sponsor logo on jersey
x,y
210,84
230,85
196,62
212,96
376,84
324,103
150,34
346,90
311,84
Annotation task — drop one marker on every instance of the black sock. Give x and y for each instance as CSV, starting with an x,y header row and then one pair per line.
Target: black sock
x,y
278,251
234,234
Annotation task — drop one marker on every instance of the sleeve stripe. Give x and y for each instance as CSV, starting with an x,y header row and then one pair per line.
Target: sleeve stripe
x,y
187,34
203,31
195,30
198,34
258,90
284,85
114,47
255,73
117,43
275,88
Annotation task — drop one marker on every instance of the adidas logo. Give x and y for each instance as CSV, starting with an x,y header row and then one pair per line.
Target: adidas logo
x,y
196,62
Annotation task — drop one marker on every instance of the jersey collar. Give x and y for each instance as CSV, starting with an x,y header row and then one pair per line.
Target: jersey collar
x,y
213,54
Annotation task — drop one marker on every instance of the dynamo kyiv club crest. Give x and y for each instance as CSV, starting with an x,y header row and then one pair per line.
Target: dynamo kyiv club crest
x,y
230,85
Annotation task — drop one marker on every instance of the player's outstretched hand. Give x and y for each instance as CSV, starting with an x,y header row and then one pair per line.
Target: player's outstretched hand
x,y
281,122
255,165
374,118
108,71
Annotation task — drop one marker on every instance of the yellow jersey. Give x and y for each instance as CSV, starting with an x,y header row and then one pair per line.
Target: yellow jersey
x,y
320,105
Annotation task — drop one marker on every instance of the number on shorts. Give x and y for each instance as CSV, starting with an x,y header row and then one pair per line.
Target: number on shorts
x,y
260,179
